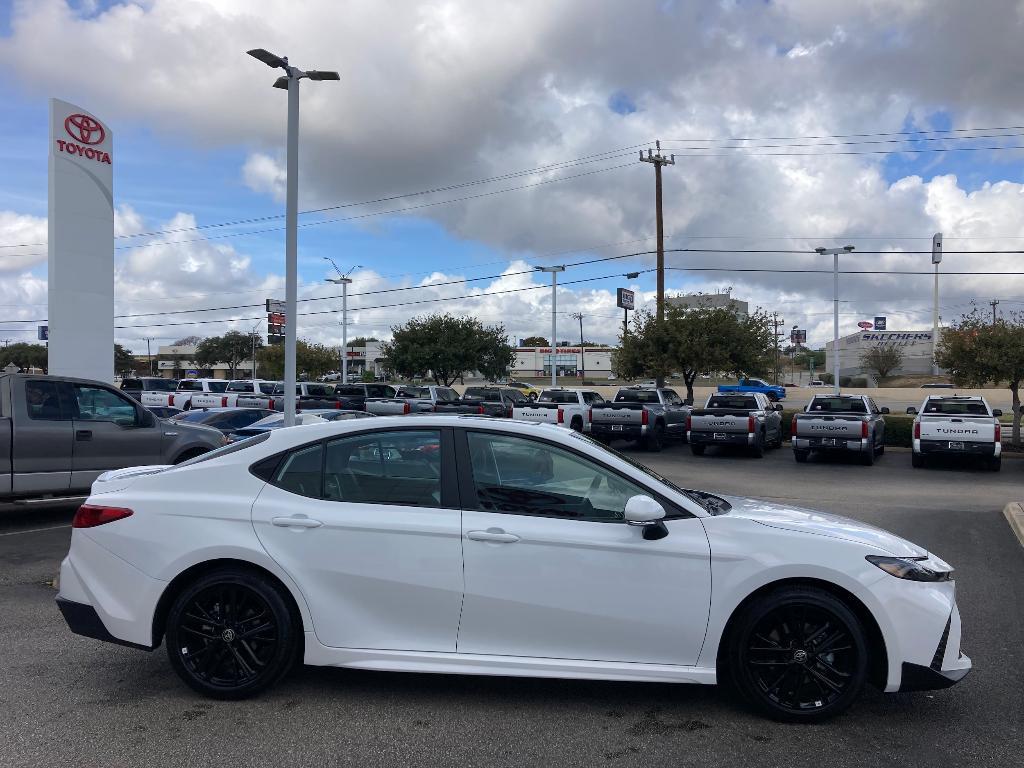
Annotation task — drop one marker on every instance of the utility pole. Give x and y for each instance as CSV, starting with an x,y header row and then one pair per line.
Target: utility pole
x,y
776,323
149,354
554,302
583,362
936,259
658,160
343,280
994,303
835,308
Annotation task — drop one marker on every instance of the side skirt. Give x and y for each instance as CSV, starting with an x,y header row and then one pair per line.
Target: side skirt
x,y
507,666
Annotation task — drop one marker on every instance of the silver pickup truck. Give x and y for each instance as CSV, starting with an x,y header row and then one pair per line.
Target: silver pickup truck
x,y
649,416
569,408
839,424
750,420
957,426
58,434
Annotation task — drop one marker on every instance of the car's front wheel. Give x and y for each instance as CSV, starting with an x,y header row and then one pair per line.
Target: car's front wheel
x,y
230,634
798,654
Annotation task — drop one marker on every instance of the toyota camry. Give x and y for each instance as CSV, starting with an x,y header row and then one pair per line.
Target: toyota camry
x,y
461,544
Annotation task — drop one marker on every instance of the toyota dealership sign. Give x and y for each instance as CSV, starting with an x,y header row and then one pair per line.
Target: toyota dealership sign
x,y
85,132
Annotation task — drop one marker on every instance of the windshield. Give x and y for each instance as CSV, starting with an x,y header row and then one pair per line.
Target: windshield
x,y
957,407
445,395
637,396
217,386
695,496
239,386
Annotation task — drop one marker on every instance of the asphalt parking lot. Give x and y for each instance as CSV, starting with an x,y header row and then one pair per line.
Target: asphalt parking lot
x,y
71,701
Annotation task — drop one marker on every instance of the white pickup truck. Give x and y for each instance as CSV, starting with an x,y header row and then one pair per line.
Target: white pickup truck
x,y
243,393
569,408
187,389
957,426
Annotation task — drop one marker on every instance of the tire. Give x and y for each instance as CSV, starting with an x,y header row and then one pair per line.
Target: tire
x,y
533,397
757,450
655,441
187,406
576,425
881,450
801,456
698,450
995,463
777,443
190,454
868,457
210,653
779,655
916,460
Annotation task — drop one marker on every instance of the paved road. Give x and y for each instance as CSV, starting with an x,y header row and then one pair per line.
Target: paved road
x,y
75,702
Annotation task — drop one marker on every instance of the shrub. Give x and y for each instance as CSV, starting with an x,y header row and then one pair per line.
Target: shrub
x,y
828,378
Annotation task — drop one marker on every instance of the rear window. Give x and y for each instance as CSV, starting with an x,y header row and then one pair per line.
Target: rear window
x,y
741,403
416,392
445,395
217,386
240,386
480,393
320,390
159,385
837,405
958,408
547,396
190,385
347,390
131,384
637,396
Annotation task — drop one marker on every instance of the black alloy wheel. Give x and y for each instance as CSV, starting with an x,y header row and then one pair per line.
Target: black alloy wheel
x,y
800,655
757,450
655,440
230,634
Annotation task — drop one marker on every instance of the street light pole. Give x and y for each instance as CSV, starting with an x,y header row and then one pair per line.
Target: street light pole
x,y
835,309
343,280
583,362
554,308
290,82
936,259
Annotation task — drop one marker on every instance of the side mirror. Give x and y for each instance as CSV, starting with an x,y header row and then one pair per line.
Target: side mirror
x,y
779,407
146,418
883,409
912,410
997,412
645,512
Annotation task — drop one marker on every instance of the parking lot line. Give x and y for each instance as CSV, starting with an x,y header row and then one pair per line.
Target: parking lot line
x,y
35,530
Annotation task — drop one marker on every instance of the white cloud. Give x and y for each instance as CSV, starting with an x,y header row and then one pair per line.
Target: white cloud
x,y
22,242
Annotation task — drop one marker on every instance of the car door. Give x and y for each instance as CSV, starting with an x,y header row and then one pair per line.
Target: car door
x,y
42,436
109,433
553,571
368,527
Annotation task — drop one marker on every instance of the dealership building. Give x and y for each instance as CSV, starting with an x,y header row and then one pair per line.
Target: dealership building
x,y
916,347
596,362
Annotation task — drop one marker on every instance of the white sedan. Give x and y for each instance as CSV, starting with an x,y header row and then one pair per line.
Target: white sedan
x,y
457,544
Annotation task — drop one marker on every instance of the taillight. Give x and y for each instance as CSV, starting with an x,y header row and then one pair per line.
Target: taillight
x,y
480,409
644,417
864,430
590,415
792,427
337,405
508,412
917,430
406,408
89,516
170,400
689,423
999,433
750,424
224,402
561,416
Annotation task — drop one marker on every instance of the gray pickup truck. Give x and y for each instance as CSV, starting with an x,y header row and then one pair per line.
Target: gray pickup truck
x,y
648,415
429,398
58,434
750,420
839,424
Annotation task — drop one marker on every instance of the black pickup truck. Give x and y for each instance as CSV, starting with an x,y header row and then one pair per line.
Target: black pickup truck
x,y
495,401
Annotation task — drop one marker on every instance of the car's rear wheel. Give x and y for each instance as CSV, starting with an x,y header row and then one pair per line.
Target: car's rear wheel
x,y
801,456
867,458
698,450
798,654
577,424
995,464
230,634
757,450
916,460
655,440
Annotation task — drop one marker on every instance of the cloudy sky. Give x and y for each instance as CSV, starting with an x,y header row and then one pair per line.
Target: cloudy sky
x,y
469,141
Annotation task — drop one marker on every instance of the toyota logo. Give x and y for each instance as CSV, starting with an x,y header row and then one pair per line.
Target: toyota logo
x,y
84,129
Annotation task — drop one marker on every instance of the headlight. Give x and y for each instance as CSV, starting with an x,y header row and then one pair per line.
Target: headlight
x,y
909,568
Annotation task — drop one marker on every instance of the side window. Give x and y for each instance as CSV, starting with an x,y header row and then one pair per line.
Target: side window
x,y
521,476
98,404
301,472
401,468
671,398
43,401
592,398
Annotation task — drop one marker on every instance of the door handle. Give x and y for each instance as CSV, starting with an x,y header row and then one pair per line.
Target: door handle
x,y
498,537
83,434
295,522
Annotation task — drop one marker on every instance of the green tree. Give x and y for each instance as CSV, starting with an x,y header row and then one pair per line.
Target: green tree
x,y
24,355
882,360
232,348
311,359
695,340
448,347
361,341
124,361
978,353
535,341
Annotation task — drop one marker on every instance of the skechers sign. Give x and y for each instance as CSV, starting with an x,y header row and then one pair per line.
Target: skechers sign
x,y
84,130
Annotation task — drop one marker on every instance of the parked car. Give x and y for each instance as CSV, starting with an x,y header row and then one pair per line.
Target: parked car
x,y
840,424
495,547
526,389
937,385
773,391
957,426
569,408
136,386
355,396
163,411
435,398
182,396
749,420
816,383
649,416
276,421
227,420
494,401
314,395
58,434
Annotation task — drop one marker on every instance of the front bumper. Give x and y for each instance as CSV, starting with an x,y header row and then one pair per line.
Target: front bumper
x,y
944,670
839,445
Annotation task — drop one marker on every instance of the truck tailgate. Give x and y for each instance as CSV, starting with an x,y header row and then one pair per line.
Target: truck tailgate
x,y
387,407
844,427
545,413
967,429
619,413
720,420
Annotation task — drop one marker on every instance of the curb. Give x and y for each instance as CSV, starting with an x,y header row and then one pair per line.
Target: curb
x,y
1014,514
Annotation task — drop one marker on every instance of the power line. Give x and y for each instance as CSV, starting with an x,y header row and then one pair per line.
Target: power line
x,y
861,135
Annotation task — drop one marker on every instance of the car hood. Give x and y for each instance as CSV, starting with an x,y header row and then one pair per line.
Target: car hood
x,y
822,524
